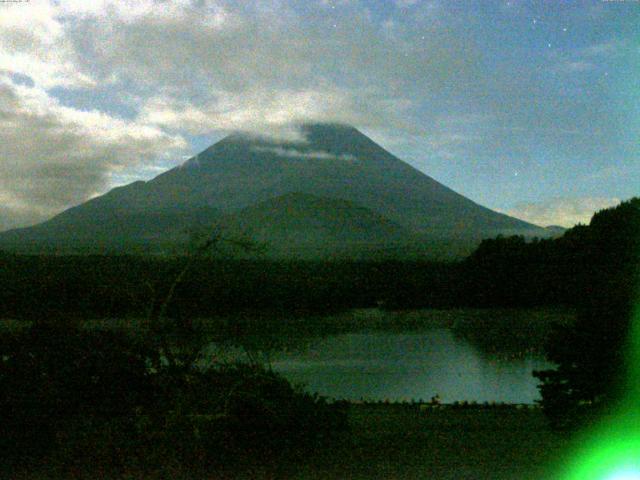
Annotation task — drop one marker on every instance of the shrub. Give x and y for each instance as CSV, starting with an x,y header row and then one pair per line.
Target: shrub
x,y
89,400
231,413
50,376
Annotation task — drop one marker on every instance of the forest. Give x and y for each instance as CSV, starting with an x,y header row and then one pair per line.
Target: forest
x,y
505,271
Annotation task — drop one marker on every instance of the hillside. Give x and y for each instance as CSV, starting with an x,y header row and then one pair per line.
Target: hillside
x,y
234,177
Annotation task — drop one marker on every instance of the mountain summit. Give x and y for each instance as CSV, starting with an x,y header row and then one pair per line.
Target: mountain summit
x,y
336,189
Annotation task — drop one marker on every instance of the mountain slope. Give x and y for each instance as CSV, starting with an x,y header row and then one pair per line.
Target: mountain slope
x,y
336,162
302,225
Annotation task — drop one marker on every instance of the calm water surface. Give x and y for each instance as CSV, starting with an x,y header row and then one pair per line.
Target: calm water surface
x,y
406,366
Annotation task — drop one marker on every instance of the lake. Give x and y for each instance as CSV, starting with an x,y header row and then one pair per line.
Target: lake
x,y
406,366
481,355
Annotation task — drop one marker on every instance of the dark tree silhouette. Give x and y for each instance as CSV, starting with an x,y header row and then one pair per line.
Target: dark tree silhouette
x,y
51,375
591,355
114,398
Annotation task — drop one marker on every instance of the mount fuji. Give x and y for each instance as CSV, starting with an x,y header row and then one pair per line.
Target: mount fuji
x,y
337,193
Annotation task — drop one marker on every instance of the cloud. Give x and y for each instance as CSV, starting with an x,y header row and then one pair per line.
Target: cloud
x,y
33,42
609,48
251,111
577,66
565,212
192,68
587,58
406,3
259,111
167,70
313,154
52,156
221,64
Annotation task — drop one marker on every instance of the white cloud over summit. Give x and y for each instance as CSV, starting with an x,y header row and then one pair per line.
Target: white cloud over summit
x,y
313,154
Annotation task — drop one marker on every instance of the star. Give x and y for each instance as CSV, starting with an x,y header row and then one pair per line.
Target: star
x,y
564,29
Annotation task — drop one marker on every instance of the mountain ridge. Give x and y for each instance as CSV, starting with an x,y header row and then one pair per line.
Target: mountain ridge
x,y
335,162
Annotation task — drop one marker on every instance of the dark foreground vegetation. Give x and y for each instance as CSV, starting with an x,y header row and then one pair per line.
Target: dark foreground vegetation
x,y
88,401
385,442
76,401
403,442
593,354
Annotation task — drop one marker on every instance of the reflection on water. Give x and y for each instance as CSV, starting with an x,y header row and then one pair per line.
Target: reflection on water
x,y
406,366
459,354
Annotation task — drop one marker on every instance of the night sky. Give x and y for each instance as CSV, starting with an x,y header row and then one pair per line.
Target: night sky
x,y
527,107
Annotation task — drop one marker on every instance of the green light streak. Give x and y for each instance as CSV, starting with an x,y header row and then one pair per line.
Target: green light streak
x,y
611,450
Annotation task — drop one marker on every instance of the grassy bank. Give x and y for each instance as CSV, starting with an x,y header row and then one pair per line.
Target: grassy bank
x,y
402,442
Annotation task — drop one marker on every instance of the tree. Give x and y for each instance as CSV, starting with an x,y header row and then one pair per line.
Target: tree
x,y
114,398
591,364
592,356
173,340
51,375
